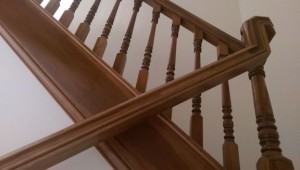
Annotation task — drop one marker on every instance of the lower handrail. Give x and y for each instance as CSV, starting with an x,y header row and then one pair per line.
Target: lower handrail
x,y
89,132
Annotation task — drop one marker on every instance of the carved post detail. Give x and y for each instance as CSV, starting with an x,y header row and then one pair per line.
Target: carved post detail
x,y
142,80
196,123
172,59
259,31
68,16
121,57
84,28
230,148
52,6
101,43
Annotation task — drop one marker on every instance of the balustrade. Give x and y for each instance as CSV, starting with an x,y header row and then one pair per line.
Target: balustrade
x,y
249,55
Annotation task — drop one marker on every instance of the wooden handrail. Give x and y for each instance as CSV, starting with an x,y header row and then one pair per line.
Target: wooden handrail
x,y
89,132
112,121
257,33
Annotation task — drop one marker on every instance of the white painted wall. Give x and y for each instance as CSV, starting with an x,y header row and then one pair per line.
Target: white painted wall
x,y
227,16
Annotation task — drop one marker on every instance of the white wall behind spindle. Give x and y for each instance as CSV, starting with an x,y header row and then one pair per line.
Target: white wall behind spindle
x,y
226,16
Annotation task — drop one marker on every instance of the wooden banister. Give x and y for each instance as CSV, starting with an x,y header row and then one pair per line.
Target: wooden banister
x,y
115,120
127,121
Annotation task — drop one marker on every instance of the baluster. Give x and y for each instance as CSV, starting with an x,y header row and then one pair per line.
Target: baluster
x,y
230,148
68,16
272,158
39,1
172,59
144,72
101,43
84,28
196,124
121,57
52,6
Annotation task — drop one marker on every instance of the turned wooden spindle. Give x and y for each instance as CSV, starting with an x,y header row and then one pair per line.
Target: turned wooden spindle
x,y
196,122
172,59
52,6
84,28
142,80
39,1
272,158
68,16
230,148
121,57
101,43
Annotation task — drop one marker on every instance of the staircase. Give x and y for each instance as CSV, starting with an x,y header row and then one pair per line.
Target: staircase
x,y
132,127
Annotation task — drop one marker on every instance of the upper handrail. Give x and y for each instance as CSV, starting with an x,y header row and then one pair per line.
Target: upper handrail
x,y
87,133
191,22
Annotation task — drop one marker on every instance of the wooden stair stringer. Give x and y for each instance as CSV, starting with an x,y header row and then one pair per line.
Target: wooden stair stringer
x,y
83,86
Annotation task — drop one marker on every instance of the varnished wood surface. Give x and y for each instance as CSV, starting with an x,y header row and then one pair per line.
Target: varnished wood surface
x,y
83,86
230,148
143,75
68,15
52,6
196,121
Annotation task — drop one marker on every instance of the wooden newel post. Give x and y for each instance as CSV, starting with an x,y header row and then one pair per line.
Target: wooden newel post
x,y
271,158
259,31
